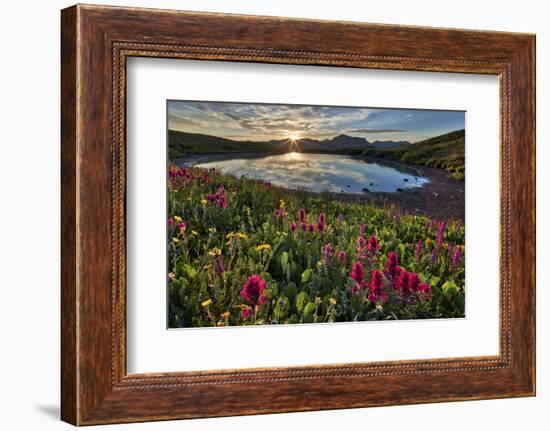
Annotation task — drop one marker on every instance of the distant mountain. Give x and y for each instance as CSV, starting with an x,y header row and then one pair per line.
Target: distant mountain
x,y
443,152
183,144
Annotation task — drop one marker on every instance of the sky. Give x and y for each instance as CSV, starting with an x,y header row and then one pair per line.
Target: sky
x,y
260,122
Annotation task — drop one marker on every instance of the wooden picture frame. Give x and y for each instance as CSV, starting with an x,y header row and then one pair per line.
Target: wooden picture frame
x,y
95,43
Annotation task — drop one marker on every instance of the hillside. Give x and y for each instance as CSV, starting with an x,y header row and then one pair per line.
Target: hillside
x,y
183,144
443,152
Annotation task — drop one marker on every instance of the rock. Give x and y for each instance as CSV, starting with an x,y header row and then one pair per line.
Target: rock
x,y
398,189
371,184
435,194
406,180
366,190
348,185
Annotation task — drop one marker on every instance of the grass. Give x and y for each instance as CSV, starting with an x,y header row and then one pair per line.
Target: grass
x,y
442,152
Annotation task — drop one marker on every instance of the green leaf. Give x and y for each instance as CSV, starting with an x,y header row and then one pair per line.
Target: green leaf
x,y
309,309
301,300
449,288
306,275
283,260
291,291
190,271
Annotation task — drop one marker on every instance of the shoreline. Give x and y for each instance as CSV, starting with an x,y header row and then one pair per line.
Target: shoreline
x,y
442,197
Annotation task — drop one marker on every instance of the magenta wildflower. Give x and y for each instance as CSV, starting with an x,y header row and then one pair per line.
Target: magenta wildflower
x,y
311,227
372,245
376,287
361,244
302,215
303,226
418,252
451,249
222,197
321,222
455,261
220,268
342,256
170,222
328,252
280,213
246,313
440,234
171,276
253,288
435,255
293,227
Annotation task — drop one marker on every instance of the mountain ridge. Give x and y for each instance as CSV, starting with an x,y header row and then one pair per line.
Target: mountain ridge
x,y
182,144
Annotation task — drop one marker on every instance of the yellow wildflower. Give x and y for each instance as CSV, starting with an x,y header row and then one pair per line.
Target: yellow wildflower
x,y
220,323
226,314
175,240
206,303
206,267
332,301
204,201
281,203
428,242
194,232
262,247
215,252
212,230
178,219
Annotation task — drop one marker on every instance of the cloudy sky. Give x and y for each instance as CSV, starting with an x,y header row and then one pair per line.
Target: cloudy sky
x,y
245,121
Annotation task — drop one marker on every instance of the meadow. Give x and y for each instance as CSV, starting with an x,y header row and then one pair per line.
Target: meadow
x,y
244,252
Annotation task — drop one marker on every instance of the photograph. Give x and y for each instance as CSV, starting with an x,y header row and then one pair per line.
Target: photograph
x,y
284,214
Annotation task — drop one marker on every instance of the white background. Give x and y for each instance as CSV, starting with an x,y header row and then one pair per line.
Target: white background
x,y
151,348
29,216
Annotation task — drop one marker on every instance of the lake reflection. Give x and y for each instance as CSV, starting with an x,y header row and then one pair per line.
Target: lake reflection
x,y
320,172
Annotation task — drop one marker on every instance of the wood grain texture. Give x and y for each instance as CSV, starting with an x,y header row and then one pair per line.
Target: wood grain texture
x,y
96,41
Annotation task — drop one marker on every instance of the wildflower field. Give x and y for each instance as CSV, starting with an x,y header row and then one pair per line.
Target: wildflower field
x,y
243,252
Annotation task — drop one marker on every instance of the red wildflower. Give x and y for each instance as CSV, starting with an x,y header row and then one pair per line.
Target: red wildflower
x,y
252,290
424,291
403,282
372,245
413,283
393,270
357,272
376,288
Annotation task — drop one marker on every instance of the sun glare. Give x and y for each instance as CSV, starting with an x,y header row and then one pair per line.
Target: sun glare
x,y
294,137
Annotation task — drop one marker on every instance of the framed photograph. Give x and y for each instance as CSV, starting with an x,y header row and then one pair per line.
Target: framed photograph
x,y
324,214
